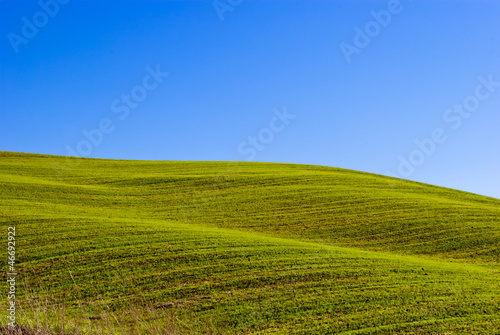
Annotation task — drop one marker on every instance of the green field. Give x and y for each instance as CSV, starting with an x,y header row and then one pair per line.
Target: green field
x,y
245,248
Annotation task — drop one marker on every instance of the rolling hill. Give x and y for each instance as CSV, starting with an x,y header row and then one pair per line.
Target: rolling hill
x,y
235,248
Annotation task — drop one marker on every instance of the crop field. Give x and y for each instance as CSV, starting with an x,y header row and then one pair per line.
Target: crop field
x,y
170,247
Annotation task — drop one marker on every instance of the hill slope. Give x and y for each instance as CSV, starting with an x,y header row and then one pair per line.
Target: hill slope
x,y
252,247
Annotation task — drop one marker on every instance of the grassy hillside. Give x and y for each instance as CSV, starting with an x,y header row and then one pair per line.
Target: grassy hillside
x,y
247,248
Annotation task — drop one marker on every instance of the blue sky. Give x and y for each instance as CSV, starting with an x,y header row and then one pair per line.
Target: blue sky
x,y
408,88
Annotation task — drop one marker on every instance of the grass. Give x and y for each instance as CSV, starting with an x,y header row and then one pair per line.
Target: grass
x,y
114,246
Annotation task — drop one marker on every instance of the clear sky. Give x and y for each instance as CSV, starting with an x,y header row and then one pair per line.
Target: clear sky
x,y
409,88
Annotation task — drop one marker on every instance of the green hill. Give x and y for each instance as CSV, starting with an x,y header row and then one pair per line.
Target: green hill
x,y
238,248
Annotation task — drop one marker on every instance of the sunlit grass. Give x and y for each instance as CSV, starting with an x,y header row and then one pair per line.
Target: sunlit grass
x,y
246,248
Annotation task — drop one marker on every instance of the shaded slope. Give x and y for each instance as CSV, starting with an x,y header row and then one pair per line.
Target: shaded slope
x,y
245,282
